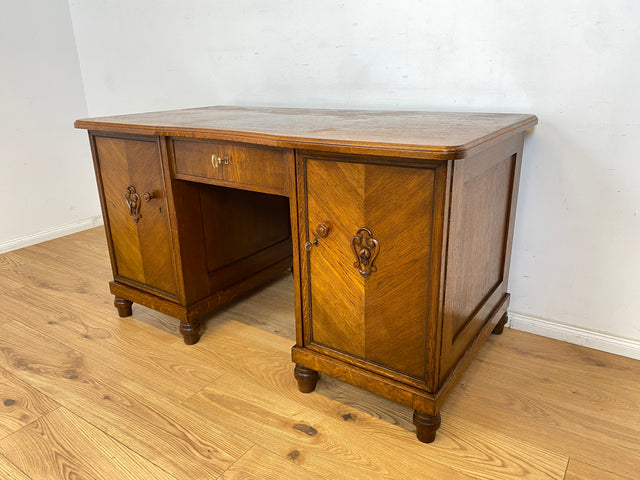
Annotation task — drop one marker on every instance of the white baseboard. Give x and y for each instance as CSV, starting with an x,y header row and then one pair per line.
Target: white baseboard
x,y
50,234
578,336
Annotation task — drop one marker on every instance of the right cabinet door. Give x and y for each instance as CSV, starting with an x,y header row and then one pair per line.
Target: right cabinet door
x,y
368,233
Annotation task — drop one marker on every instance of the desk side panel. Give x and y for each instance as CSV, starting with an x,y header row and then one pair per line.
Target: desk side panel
x,y
483,201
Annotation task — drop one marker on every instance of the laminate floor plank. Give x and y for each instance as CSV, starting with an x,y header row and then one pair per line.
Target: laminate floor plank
x,y
556,426
10,260
37,258
493,456
578,470
181,443
86,251
164,327
616,402
7,283
271,368
261,464
527,407
62,446
269,308
120,343
8,471
20,404
318,443
525,350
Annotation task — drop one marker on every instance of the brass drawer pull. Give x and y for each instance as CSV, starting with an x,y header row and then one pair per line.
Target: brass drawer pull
x,y
216,161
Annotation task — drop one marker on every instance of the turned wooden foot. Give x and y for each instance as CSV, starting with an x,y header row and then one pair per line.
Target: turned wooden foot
x,y
499,328
123,305
306,378
426,426
190,332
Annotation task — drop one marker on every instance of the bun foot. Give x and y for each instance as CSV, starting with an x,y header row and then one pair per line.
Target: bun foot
x,y
426,426
190,332
499,328
123,305
306,378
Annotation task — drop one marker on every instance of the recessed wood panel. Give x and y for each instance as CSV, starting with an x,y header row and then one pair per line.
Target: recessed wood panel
x,y
481,247
337,294
382,317
399,211
143,250
239,223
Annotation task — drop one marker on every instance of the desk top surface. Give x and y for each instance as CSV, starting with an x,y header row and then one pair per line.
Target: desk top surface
x,y
430,135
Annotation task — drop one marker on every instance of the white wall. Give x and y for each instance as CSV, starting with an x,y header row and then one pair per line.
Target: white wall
x,y
574,63
47,187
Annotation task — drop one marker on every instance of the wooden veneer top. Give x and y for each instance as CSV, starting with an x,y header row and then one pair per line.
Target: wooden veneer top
x,y
429,135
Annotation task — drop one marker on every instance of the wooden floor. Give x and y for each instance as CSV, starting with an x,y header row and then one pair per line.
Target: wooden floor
x,y
85,394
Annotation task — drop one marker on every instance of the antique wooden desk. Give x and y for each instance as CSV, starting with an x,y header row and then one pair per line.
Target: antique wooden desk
x,y
398,226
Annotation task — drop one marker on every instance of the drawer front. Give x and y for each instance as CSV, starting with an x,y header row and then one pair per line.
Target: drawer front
x,y
255,168
135,206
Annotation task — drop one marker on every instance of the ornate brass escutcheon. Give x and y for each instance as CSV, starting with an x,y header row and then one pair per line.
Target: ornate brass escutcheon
x,y
133,202
366,249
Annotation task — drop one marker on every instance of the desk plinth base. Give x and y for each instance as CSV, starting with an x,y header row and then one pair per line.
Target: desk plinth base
x,y
426,404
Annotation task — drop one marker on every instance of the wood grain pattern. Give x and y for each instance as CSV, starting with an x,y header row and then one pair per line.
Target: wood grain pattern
x,y
565,413
62,446
483,202
142,251
482,245
577,470
304,436
7,284
520,411
368,182
20,404
80,327
259,169
135,416
351,313
232,256
8,471
433,135
268,367
261,464
336,291
175,254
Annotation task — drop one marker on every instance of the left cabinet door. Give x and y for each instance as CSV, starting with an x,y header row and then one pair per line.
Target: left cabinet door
x,y
135,206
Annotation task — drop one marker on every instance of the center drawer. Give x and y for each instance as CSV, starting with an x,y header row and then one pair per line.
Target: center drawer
x,y
239,166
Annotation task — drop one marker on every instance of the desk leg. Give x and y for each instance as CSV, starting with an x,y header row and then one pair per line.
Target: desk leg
x,y
426,426
123,305
306,378
190,331
499,328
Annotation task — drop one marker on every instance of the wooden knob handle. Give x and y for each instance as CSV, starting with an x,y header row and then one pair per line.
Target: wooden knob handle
x,y
322,230
148,196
